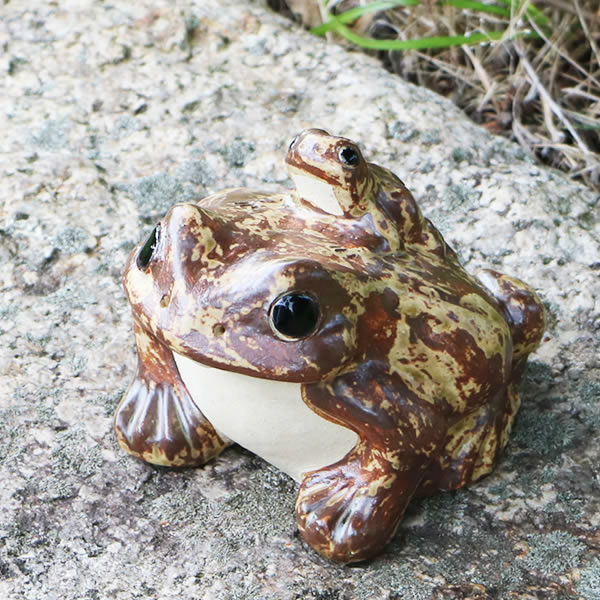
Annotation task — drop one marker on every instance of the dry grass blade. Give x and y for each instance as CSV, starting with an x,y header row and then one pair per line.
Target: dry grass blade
x,y
584,25
549,101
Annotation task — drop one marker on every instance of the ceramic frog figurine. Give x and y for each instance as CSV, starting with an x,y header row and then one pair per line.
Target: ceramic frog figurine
x,y
332,331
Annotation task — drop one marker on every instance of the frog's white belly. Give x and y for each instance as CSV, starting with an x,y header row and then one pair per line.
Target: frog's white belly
x,y
267,417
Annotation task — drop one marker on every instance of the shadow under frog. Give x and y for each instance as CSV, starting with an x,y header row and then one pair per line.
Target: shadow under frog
x,y
332,330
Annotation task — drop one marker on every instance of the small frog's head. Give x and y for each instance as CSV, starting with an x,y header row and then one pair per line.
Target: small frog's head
x,y
330,173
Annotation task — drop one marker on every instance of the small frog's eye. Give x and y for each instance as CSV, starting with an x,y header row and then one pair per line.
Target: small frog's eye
x,y
294,315
146,252
349,156
292,143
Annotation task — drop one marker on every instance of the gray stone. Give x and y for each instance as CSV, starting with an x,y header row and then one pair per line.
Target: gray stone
x,y
112,111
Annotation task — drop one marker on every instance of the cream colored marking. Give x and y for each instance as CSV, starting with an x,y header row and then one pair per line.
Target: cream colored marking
x,y
317,488
415,424
139,284
145,344
267,417
317,192
385,481
336,497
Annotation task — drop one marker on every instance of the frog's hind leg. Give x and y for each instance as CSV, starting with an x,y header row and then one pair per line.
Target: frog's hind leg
x,y
349,510
157,419
522,309
473,444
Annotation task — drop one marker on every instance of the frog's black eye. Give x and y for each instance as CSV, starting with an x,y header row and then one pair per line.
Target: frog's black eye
x,y
349,156
295,315
146,252
292,143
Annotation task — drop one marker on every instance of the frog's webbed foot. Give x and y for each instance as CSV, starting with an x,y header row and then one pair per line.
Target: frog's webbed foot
x,y
157,419
522,308
347,512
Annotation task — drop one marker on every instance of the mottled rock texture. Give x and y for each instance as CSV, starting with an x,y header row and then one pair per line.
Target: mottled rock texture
x,y
112,111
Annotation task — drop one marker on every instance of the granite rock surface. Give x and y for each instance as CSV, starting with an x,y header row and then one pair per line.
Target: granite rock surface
x,y
112,111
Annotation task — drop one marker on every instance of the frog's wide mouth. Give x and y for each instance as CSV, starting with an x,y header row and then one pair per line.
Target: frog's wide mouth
x,y
265,416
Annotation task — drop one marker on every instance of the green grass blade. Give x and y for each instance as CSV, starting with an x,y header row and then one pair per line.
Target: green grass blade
x,y
355,13
420,43
508,8
492,9
338,24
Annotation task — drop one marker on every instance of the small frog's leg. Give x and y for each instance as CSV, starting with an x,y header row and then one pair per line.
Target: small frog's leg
x,y
523,310
349,510
157,419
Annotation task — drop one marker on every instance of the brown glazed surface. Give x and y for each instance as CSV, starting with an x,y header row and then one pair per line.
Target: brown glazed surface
x,y
416,356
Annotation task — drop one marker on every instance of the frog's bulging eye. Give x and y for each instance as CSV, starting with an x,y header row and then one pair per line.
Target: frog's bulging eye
x,y
349,156
295,315
146,252
292,143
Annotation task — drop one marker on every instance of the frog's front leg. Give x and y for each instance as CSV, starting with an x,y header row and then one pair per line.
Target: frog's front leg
x,y
157,420
349,510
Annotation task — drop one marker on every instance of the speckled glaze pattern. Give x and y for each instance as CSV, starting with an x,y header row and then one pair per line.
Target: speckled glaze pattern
x,y
419,358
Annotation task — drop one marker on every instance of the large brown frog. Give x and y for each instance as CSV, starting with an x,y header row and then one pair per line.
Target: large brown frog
x,y
340,292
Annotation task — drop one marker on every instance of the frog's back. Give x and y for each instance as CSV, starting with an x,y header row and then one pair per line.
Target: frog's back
x,y
451,343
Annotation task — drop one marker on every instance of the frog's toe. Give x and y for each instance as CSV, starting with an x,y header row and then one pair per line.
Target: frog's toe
x,y
159,423
523,310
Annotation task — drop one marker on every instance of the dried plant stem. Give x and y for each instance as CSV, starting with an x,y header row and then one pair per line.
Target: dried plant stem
x,y
567,7
483,77
556,109
552,44
585,28
324,17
